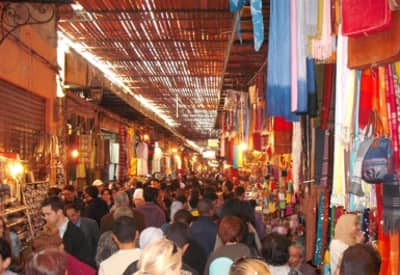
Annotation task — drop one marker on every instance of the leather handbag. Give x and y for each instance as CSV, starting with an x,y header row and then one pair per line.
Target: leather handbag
x,y
360,17
377,48
377,165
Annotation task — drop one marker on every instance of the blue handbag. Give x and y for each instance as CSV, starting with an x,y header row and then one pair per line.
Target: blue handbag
x,y
377,165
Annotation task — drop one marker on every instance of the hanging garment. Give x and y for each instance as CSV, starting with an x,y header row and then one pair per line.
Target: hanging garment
x,y
279,62
142,156
296,155
299,94
323,46
312,88
327,95
345,94
156,162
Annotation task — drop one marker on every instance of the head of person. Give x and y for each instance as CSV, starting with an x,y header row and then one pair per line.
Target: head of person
x,y
227,186
90,193
124,231
50,261
180,234
138,198
239,192
296,255
99,185
53,211
275,249
54,192
106,195
347,229
175,207
5,255
249,266
160,258
149,235
231,229
150,194
183,216
68,193
205,207
72,211
121,198
360,259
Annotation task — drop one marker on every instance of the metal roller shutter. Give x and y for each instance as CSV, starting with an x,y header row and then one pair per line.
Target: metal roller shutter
x,y
22,120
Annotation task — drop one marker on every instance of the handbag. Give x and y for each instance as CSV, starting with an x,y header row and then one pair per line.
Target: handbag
x,y
361,17
377,48
377,165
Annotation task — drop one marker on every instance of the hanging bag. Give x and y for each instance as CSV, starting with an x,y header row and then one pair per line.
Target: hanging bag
x,y
362,17
377,165
375,49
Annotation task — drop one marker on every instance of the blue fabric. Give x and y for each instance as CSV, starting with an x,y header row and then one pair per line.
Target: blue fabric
x,y
236,5
257,20
279,62
258,23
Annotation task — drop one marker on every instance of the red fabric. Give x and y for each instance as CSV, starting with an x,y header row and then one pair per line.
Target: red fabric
x,y
76,267
360,17
366,93
393,118
281,125
257,141
327,95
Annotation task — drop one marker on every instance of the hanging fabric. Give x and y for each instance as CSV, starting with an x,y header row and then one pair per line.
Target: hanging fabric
x,y
299,94
312,88
320,223
327,95
323,46
296,155
345,92
279,62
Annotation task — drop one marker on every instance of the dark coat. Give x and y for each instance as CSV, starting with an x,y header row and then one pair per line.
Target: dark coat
x,y
75,243
90,229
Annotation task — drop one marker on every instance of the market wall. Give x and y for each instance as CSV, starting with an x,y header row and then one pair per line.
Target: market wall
x,y
28,60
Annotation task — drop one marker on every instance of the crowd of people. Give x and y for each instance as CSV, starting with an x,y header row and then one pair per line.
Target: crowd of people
x,y
186,226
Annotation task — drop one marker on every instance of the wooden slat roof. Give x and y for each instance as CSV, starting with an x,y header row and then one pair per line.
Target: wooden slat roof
x,y
169,52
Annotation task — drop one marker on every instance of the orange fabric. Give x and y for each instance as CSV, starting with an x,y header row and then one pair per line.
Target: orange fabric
x,y
394,253
382,107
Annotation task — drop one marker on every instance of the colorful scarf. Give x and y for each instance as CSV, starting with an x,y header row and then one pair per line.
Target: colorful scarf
x,y
320,223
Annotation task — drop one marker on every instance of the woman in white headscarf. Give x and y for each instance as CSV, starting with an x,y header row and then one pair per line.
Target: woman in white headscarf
x,y
347,233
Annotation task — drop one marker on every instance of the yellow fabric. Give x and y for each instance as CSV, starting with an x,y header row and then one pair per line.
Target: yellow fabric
x,y
394,253
397,70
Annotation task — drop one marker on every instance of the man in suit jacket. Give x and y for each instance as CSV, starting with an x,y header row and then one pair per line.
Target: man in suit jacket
x,y
88,226
73,238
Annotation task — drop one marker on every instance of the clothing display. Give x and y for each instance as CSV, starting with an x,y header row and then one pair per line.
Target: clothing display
x,y
142,157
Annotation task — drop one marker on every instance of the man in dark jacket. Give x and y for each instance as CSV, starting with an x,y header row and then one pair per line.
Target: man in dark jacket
x,y
96,208
88,226
73,238
204,230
